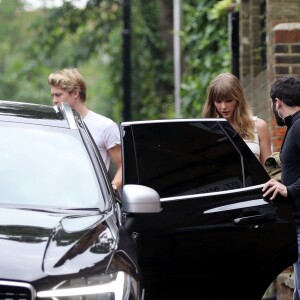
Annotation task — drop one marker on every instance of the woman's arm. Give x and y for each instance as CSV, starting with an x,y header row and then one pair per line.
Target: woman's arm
x,y
264,140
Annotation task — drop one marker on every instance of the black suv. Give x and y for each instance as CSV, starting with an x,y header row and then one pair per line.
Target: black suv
x,y
191,222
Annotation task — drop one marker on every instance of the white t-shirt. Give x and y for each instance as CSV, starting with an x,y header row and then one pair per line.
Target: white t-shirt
x,y
105,132
254,145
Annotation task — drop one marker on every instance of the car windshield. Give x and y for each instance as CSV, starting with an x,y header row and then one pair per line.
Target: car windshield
x,y
46,166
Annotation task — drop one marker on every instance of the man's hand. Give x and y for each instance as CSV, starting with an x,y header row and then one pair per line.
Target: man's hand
x,y
272,188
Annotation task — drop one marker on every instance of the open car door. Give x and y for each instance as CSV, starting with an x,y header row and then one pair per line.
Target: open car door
x,y
215,237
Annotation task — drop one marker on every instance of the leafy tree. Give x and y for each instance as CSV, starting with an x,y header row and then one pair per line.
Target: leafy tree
x,y
10,35
70,36
206,51
35,43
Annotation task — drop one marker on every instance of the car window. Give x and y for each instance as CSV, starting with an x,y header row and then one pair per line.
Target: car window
x,y
46,166
180,158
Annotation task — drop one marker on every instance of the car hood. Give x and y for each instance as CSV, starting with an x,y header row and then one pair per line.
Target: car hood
x,y
37,243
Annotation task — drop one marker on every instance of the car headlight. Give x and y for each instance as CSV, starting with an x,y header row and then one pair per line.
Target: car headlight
x,y
116,286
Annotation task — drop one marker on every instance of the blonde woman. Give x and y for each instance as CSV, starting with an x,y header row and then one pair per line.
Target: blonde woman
x,y
226,99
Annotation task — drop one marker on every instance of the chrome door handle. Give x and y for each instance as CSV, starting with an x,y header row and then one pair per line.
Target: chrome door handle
x,y
257,219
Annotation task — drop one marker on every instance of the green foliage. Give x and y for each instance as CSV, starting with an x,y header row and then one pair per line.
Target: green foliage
x,y
36,43
68,36
10,34
21,79
152,72
206,51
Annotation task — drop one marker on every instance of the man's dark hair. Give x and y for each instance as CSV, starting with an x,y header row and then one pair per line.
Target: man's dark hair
x,y
287,89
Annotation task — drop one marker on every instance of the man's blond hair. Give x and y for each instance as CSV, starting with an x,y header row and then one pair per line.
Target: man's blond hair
x,y
69,80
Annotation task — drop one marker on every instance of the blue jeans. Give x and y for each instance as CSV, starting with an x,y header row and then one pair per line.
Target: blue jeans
x,y
297,270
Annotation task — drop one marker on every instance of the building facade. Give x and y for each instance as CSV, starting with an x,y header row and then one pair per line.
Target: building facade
x,y
269,47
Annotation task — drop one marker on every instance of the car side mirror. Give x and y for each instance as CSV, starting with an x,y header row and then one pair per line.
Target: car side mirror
x,y
140,199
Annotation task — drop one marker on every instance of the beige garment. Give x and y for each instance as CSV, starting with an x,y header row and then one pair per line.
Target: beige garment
x,y
273,166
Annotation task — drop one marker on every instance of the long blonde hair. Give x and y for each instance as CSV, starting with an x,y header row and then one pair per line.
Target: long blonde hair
x,y
227,86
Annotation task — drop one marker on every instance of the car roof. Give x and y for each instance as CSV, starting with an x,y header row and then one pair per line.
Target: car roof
x,y
23,112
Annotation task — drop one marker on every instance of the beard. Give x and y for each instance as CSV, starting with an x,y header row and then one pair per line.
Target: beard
x,y
278,118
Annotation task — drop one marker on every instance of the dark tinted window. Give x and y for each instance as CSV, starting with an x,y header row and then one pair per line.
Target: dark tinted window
x,y
179,158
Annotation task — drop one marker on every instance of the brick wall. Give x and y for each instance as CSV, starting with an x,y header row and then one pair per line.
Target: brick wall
x,y
282,36
285,60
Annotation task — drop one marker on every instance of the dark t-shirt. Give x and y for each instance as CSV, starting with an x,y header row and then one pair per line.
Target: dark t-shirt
x,y
290,160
